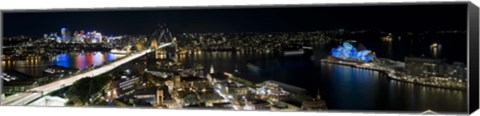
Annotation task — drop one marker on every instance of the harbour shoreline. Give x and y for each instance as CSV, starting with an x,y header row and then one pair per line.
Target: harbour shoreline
x,y
389,75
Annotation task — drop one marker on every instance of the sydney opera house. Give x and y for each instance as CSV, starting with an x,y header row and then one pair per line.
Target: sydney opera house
x,y
348,52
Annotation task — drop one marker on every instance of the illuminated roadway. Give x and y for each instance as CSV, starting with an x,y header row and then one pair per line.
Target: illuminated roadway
x,y
25,98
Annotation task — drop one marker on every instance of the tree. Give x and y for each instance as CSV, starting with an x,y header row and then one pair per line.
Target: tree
x,y
191,99
81,90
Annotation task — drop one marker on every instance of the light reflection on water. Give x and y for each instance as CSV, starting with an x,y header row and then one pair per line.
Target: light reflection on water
x,y
83,60
35,67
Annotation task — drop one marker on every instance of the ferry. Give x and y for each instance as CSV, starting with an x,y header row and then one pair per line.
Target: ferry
x,y
304,50
253,67
116,51
49,71
293,52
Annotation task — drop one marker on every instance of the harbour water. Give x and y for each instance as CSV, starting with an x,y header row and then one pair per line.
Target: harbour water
x,y
342,87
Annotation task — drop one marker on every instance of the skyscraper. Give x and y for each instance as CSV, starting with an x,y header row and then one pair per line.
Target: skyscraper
x,y
63,33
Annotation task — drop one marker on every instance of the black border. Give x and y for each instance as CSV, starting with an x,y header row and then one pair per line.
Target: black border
x,y
473,51
1,52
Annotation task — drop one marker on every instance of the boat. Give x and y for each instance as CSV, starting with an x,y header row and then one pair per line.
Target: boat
x,y
293,52
305,50
49,71
116,51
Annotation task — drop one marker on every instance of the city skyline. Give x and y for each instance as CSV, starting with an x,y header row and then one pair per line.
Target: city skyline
x,y
391,57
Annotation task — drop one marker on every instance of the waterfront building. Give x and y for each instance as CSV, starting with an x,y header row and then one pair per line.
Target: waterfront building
x,y
282,106
217,78
424,67
125,85
272,88
160,54
158,96
457,70
315,104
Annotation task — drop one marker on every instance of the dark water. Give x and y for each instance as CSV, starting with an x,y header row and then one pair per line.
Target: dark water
x,y
351,88
34,67
83,60
343,87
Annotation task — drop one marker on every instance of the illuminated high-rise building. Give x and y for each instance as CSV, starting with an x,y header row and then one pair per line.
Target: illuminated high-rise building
x,y
68,36
98,37
63,34
95,37
63,31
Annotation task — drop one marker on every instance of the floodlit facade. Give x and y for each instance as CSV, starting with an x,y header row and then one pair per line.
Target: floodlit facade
x,y
347,51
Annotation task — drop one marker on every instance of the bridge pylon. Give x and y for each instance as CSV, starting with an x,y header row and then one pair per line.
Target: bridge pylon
x,y
161,35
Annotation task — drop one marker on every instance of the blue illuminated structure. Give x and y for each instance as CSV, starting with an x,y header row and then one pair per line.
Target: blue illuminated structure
x,y
347,51
62,60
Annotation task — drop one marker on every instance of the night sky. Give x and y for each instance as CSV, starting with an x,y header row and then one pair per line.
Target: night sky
x,y
391,18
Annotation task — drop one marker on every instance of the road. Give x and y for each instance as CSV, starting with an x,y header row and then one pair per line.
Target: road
x,y
25,98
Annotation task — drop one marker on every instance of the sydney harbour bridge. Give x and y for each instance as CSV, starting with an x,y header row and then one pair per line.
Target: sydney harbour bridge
x,y
160,36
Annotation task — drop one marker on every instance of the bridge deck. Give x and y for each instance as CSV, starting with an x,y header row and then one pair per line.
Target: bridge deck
x,y
25,98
